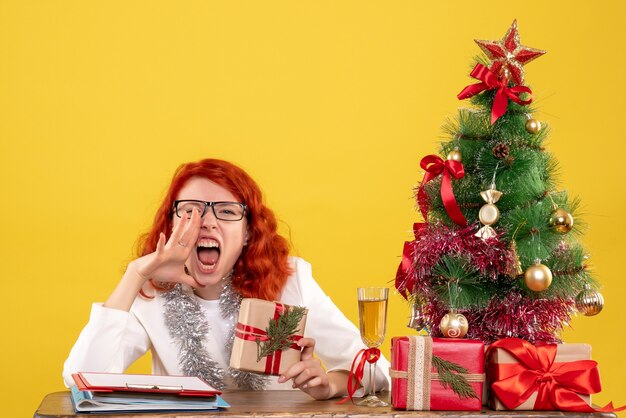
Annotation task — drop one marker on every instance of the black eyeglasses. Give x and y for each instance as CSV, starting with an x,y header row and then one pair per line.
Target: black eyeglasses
x,y
224,211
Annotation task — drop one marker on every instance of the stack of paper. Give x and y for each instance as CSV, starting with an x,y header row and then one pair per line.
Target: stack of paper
x,y
107,392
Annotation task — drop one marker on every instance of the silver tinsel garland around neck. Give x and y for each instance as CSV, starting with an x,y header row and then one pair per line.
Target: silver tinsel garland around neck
x,y
188,325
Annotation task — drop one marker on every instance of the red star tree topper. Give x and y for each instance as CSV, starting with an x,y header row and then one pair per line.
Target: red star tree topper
x,y
509,55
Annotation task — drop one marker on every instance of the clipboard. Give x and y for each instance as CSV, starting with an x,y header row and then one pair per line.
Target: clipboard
x,y
143,383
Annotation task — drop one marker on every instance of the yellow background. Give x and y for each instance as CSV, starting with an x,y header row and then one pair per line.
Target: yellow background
x,y
328,104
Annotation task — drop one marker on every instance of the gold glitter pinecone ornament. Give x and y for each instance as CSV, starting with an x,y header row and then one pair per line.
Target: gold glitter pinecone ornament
x,y
515,269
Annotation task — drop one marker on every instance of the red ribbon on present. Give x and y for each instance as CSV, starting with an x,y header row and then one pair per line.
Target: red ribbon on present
x,y
435,165
249,333
490,81
405,280
557,384
369,355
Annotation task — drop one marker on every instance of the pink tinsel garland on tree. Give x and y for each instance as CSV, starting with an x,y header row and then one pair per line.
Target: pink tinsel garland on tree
x,y
510,313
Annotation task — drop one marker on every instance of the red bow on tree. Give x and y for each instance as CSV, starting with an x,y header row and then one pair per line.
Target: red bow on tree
x,y
558,385
435,165
490,81
405,275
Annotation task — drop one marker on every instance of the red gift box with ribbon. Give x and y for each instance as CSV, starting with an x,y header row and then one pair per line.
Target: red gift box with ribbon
x,y
251,332
416,380
523,376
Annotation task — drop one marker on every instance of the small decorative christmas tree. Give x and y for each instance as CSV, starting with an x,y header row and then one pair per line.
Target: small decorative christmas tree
x,y
498,253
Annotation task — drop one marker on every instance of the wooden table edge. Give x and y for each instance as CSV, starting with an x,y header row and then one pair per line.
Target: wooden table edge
x,y
297,404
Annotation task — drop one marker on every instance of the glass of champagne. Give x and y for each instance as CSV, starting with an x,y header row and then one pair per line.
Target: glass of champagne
x,y
372,320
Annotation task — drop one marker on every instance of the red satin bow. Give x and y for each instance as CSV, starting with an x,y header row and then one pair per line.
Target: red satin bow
x,y
557,384
435,165
369,355
491,81
405,281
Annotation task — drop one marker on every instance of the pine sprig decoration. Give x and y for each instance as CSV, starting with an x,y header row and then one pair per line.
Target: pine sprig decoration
x,y
457,283
280,332
451,376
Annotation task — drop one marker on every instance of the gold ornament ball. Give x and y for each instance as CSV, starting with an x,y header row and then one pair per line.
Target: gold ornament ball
x,y
453,325
455,155
538,277
589,302
533,126
562,221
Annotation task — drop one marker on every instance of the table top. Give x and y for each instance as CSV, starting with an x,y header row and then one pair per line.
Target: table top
x,y
290,403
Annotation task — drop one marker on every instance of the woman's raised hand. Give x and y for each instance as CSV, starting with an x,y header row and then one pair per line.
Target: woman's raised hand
x,y
167,262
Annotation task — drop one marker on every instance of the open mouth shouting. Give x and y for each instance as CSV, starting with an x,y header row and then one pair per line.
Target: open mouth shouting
x,y
209,252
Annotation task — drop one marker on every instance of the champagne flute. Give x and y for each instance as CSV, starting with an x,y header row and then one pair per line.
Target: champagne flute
x,y
372,321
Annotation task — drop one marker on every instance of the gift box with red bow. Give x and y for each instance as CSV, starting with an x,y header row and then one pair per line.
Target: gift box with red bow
x,y
437,374
522,376
266,335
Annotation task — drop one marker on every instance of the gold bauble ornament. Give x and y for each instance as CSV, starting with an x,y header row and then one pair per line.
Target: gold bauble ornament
x,y
453,325
455,155
589,302
538,277
533,126
562,221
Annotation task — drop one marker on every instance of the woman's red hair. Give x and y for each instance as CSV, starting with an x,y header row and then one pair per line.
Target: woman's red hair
x,y
262,269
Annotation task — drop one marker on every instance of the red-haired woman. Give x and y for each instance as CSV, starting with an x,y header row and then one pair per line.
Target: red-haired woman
x,y
212,243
